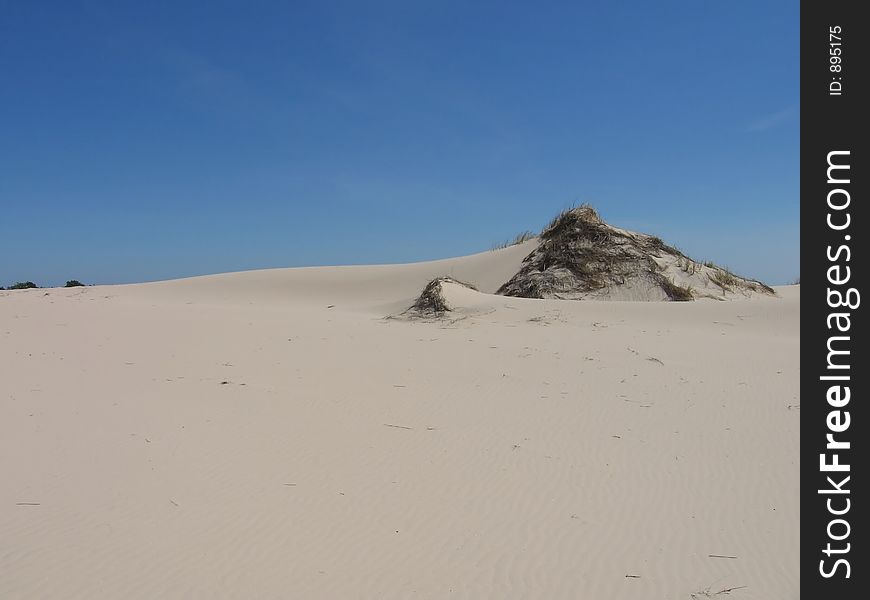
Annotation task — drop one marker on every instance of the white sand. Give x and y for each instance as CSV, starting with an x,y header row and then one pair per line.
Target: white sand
x,y
532,449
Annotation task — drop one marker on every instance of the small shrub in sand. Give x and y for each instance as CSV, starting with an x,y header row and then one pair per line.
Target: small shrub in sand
x,y
23,285
431,301
74,283
676,293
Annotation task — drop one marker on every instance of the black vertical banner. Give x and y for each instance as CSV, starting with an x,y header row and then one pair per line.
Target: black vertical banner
x,y
834,174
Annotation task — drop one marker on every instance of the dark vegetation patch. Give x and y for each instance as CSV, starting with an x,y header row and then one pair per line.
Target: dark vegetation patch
x,y
674,292
579,254
431,301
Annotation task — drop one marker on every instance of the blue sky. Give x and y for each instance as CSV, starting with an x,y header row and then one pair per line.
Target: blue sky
x,y
152,140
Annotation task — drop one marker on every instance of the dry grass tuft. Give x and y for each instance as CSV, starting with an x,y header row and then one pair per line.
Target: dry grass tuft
x,y
728,281
571,217
431,301
675,292
521,237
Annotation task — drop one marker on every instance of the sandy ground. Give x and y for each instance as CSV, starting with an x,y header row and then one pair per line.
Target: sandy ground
x,y
270,434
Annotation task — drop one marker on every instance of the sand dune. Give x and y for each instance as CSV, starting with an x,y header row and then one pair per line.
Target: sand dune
x,y
579,257
270,434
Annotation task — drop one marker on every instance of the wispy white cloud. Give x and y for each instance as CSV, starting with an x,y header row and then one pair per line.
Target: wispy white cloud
x,y
774,119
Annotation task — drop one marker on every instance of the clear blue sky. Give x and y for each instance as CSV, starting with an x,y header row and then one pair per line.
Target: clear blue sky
x,y
152,140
